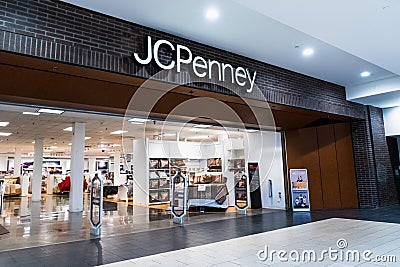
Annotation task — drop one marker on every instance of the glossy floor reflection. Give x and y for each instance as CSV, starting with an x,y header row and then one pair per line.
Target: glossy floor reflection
x,y
198,231
49,221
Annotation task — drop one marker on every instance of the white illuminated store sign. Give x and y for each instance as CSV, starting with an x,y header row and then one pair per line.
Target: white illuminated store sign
x,y
202,68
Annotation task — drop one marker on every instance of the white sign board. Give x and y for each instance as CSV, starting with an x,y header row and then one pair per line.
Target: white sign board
x,y
299,186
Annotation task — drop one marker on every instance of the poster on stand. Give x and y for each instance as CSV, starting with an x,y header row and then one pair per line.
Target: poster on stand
x,y
299,186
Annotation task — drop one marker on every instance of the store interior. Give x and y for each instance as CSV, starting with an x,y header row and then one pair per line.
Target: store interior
x,y
137,158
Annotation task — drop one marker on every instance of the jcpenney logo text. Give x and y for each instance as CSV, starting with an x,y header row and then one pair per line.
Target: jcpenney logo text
x,y
202,68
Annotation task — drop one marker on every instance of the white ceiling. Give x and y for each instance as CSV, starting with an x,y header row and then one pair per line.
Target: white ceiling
x,y
348,36
57,142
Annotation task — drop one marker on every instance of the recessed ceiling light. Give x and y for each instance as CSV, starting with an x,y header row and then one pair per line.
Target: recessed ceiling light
x,y
199,137
251,130
4,123
87,137
70,144
365,73
33,142
140,120
168,134
5,134
308,52
50,111
202,126
31,113
212,14
68,129
119,132
137,123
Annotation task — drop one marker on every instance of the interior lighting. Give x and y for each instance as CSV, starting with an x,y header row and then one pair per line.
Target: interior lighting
x,y
138,120
251,130
4,123
50,111
202,126
119,132
31,113
308,52
365,74
212,14
199,137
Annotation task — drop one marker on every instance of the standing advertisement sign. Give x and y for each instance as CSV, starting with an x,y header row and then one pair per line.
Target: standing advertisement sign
x,y
299,186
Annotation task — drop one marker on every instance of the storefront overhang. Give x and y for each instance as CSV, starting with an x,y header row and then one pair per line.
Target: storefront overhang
x,y
34,81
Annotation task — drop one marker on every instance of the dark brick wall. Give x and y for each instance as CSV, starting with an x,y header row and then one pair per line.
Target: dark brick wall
x,y
375,180
62,32
383,165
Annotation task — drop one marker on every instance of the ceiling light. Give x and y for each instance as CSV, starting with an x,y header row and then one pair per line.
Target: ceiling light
x,y
31,113
365,74
70,144
137,123
251,130
212,14
308,52
51,111
168,134
139,120
87,137
5,134
4,123
119,132
199,137
68,129
33,142
202,126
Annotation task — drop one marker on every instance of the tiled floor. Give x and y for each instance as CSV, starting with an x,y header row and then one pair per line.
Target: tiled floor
x,y
47,222
342,235
50,236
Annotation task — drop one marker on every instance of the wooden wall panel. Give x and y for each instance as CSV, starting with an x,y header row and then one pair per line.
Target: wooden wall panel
x,y
310,159
327,153
293,150
328,165
345,159
302,152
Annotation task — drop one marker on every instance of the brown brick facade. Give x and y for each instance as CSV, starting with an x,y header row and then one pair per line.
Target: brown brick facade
x,y
62,32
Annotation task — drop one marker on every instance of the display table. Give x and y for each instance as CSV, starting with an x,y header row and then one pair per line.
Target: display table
x,y
208,195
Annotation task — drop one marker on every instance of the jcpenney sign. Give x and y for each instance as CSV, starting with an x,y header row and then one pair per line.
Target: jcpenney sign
x,y
202,68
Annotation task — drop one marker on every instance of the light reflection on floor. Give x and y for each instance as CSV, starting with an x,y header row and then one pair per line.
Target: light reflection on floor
x,y
49,221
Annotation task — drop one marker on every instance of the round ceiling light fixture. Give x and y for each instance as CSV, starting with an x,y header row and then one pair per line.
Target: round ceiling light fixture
x,y
308,52
212,14
365,74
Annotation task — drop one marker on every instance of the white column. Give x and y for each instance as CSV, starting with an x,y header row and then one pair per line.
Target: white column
x,y
17,161
92,166
117,178
37,170
77,167
3,163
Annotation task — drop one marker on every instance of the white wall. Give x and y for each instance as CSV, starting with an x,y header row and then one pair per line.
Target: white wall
x,y
391,117
265,148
